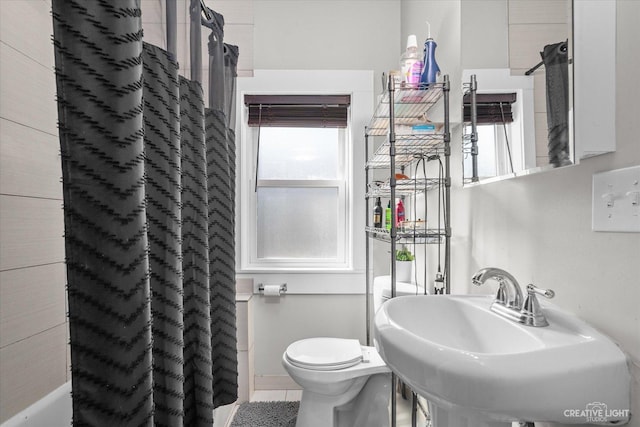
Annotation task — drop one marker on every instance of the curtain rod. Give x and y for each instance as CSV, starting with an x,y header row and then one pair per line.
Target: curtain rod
x,y
205,10
563,49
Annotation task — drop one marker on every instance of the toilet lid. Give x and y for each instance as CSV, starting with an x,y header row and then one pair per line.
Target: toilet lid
x,y
324,354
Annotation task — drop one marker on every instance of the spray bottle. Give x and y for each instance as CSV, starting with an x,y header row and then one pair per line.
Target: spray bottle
x,y
430,70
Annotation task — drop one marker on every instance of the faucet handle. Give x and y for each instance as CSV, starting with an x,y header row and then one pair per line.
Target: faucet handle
x,y
533,289
531,313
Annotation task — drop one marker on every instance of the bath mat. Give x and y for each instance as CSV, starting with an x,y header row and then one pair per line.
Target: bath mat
x,y
266,414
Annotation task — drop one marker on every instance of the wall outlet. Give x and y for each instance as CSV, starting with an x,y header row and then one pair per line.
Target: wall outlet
x,y
616,200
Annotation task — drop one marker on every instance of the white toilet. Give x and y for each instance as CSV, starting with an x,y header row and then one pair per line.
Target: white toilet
x,y
344,384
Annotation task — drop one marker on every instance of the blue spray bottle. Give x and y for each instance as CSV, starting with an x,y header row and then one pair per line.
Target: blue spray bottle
x,y
430,70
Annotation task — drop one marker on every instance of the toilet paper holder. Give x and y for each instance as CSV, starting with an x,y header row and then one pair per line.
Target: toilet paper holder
x,y
283,288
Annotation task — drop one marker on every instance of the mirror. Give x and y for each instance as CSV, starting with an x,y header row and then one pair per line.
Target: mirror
x,y
522,81
510,47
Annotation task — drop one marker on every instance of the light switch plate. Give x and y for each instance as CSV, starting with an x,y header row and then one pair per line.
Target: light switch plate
x,y
616,200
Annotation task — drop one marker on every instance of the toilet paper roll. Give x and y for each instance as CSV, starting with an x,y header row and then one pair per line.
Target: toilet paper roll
x,y
271,291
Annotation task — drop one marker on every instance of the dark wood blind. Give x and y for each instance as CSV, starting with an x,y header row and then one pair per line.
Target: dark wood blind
x,y
298,110
492,107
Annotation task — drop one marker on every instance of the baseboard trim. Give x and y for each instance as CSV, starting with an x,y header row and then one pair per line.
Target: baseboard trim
x,y
275,382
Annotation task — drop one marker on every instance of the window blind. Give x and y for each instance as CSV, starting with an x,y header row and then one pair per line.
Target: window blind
x,y
298,110
492,107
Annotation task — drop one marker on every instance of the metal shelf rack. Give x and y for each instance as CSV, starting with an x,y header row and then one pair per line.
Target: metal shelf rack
x,y
417,236
404,106
405,187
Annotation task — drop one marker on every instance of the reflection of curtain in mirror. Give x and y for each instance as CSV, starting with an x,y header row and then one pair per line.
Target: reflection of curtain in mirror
x,y
556,65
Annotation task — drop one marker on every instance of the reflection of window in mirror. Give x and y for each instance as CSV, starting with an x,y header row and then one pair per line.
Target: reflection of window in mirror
x,y
494,144
498,134
505,104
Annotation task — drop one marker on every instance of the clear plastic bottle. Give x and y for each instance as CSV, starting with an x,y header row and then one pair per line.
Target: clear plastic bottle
x,y
411,63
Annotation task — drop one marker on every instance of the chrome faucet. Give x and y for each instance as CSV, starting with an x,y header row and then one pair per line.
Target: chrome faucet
x,y
509,293
509,302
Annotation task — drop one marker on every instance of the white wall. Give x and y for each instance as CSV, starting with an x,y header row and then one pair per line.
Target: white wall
x,y
538,227
320,35
33,328
489,18
327,35
280,321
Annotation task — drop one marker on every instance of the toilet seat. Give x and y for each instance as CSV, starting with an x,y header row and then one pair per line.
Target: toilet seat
x,y
324,354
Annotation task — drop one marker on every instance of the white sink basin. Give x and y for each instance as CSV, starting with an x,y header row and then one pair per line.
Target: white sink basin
x,y
473,364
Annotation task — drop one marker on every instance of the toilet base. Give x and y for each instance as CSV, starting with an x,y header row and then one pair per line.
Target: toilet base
x,y
360,406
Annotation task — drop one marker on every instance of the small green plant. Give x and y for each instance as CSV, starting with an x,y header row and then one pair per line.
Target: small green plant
x,y
404,255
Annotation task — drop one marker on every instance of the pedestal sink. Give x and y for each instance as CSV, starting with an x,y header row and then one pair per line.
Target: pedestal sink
x,y
477,368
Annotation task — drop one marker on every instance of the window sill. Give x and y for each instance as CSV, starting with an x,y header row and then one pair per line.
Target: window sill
x,y
522,173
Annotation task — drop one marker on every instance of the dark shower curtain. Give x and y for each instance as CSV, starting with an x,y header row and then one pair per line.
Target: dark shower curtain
x,y
221,179
98,55
162,168
195,251
143,296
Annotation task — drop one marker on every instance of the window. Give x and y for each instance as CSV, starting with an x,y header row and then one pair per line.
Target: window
x,y
300,194
298,211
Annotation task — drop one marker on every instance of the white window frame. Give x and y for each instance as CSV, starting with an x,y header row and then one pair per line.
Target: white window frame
x,y
359,84
342,260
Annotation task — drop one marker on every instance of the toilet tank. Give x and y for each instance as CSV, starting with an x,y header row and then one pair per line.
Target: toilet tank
x,y
382,290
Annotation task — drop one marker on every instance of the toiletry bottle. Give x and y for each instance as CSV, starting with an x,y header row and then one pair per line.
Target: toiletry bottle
x,y
400,213
396,77
430,70
387,216
377,214
411,63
